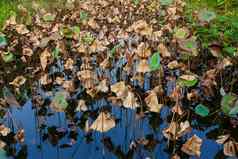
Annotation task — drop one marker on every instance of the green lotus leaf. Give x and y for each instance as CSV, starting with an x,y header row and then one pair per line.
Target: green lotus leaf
x,y
202,110
7,57
155,61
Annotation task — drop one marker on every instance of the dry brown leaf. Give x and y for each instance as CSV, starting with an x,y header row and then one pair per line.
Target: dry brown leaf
x,y
104,122
152,102
97,46
102,86
141,27
230,148
45,79
2,144
174,65
163,50
20,136
18,81
92,23
27,52
21,29
143,66
4,131
175,130
81,106
143,50
45,58
130,101
223,138
193,146
177,109
120,89
68,85
69,65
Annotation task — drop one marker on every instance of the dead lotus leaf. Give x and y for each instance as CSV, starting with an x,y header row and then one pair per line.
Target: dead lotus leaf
x,y
45,58
102,86
175,130
141,27
86,75
45,79
18,81
152,102
69,65
97,46
20,136
143,66
223,138
163,50
4,131
21,29
188,77
68,85
27,52
174,65
103,123
193,146
230,148
130,101
120,89
143,51
81,106
177,109
92,23
2,144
